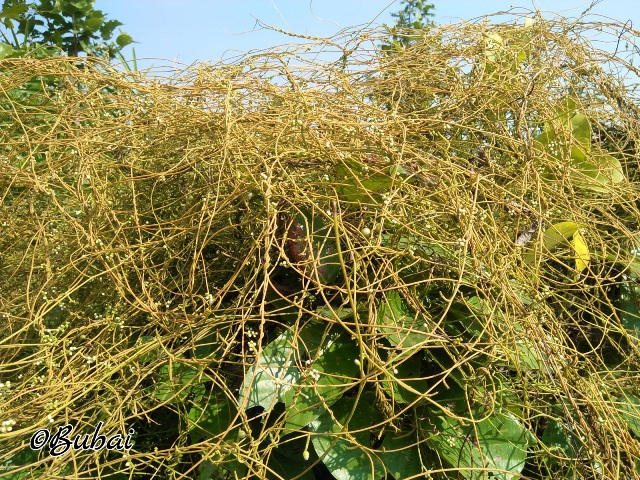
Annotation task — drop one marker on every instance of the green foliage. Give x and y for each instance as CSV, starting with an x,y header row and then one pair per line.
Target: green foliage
x,y
414,16
73,26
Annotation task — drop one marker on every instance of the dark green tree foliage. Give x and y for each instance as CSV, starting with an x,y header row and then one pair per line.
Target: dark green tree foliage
x,y
73,26
414,16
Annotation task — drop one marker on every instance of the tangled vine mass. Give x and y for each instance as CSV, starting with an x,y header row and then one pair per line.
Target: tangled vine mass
x,y
328,259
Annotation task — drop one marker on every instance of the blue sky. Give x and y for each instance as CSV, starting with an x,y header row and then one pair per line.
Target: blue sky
x,y
186,31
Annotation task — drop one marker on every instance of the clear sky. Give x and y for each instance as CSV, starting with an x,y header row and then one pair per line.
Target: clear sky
x,y
187,31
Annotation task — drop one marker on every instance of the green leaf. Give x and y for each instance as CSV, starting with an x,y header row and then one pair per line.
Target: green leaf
x,y
94,23
5,50
107,28
214,468
14,11
429,249
273,373
404,379
403,330
304,370
559,438
496,444
629,303
630,411
324,244
206,346
211,416
598,172
287,460
494,43
84,6
176,381
343,455
360,183
11,469
325,259
332,313
559,233
401,455
325,380
471,315
554,236
581,130
123,40
150,346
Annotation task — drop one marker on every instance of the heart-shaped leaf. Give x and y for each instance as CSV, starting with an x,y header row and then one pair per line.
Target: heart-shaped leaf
x,y
496,445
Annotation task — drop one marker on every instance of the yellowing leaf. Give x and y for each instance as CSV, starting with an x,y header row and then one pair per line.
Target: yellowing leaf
x,y
559,233
495,39
582,251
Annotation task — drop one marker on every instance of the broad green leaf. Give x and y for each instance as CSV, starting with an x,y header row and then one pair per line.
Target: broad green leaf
x,y
211,416
429,249
582,251
559,233
495,39
520,291
402,329
123,40
524,356
324,381
634,265
581,130
333,313
629,408
494,43
360,183
496,445
605,171
5,50
150,346
80,4
323,241
303,370
559,438
106,30
94,23
472,315
629,303
11,469
544,139
343,455
274,372
399,170
566,110
176,380
85,45
401,454
555,235
611,168
206,346
218,465
14,11
404,378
